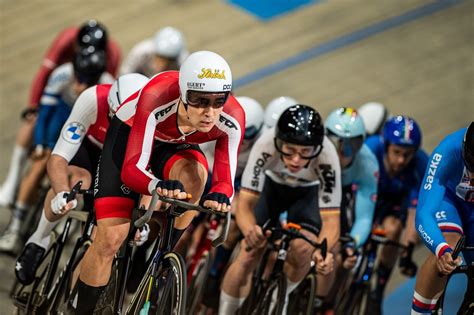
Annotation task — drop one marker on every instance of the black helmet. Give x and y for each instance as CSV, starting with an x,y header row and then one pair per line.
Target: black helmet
x,y
301,125
468,148
92,33
88,67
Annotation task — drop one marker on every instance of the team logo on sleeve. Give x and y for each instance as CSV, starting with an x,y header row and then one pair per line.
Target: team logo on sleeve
x,y
74,132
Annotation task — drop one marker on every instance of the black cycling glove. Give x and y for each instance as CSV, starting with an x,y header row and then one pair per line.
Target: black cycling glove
x,y
27,112
170,184
220,198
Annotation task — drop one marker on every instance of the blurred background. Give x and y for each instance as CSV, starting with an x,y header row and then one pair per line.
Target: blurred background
x,y
414,56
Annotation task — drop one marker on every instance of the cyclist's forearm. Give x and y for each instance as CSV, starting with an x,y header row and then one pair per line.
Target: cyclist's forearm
x,y
410,235
244,215
330,227
58,173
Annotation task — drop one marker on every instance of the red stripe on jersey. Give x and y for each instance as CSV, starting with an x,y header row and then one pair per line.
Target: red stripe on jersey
x,y
99,129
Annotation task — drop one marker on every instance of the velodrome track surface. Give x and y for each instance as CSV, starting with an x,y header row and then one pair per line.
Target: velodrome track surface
x,y
415,56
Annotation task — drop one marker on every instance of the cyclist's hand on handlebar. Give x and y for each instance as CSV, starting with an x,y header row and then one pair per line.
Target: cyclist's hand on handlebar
x,y
216,201
351,258
29,113
255,237
141,236
446,264
171,188
323,266
59,204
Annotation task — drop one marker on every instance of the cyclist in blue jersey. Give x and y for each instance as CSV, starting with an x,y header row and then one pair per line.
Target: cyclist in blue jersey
x,y
402,164
360,169
445,212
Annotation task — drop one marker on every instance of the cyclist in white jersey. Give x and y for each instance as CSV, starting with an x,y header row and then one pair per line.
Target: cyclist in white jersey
x,y
75,157
64,86
297,152
165,51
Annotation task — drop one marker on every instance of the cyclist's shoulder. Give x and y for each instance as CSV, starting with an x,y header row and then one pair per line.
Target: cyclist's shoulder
x,y
61,76
366,161
328,151
451,142
145,46
234,109
375,143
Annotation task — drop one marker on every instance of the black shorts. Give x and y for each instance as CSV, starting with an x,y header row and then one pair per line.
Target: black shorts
x,y
393,205
87,157
112,197
301,203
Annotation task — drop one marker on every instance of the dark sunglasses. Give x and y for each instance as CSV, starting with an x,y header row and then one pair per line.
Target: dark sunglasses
x,y
206,99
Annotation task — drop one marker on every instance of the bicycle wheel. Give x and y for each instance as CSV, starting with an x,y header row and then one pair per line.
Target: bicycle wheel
x,y
198,281
164,295
272,299
302,298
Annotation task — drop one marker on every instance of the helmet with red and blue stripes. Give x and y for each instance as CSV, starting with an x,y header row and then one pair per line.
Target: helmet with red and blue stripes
x,y
402,130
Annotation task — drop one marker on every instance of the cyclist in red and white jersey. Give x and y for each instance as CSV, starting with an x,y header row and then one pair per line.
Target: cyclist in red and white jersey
x,y
152,144
75,157
90,36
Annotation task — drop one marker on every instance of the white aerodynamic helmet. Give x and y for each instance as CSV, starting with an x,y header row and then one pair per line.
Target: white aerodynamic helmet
x,y
123,87
253,116
275,108
169,43
374,116
204,71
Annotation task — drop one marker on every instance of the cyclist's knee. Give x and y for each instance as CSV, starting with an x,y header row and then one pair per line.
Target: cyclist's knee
x,y
248,259
79,173
191,173
299,254
109,238
393,227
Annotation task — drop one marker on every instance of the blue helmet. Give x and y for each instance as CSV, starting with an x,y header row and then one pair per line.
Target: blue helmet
x,y
345,128
402,130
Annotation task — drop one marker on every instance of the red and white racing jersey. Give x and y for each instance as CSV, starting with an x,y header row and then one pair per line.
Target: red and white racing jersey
x,y
61,51
152,113
89,118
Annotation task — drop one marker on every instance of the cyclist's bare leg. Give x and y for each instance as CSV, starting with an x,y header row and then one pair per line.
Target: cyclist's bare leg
x,y
97,262
237,279
393,228
298,261
429,285
17,162
193,175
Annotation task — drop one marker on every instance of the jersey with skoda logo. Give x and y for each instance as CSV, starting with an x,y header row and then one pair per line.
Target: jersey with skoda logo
x,y
152,114
446,202
325,168
89,118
